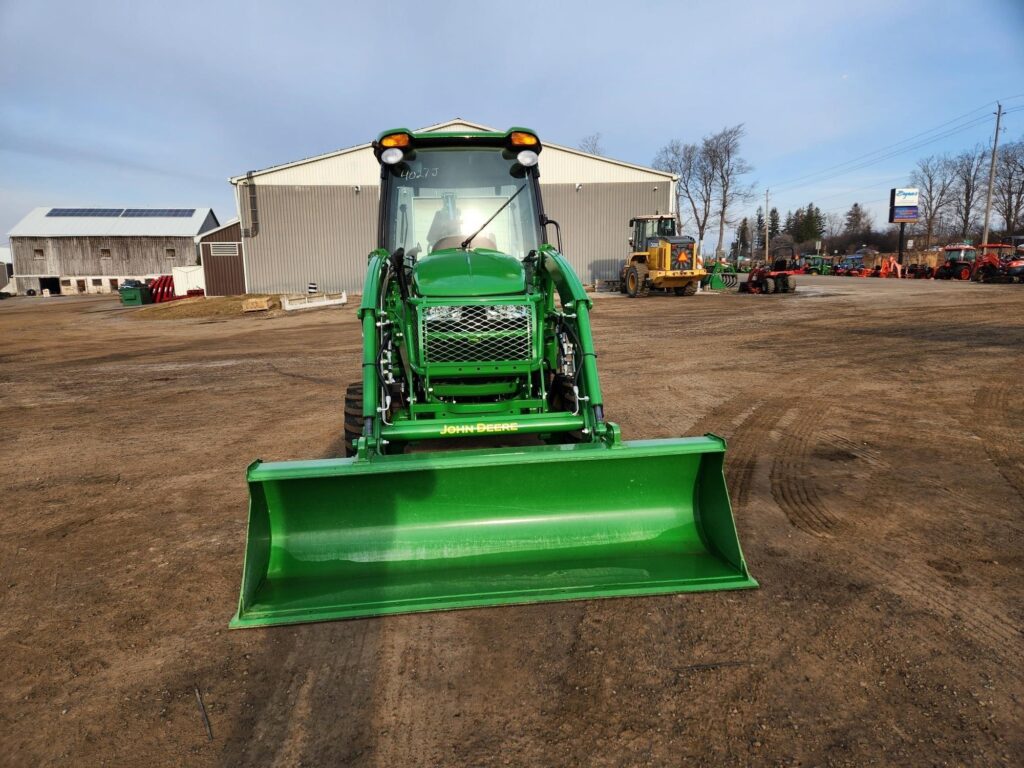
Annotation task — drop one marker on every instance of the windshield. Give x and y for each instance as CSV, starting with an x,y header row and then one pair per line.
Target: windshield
x,y
960,255
666,227
442,196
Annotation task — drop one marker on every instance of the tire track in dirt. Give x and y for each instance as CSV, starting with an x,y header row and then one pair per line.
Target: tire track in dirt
x,y
412,725
793,490
992,406
323,667
915,582
744,424
745,449
918,584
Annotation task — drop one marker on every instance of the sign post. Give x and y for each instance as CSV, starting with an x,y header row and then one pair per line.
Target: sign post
x,y
903,210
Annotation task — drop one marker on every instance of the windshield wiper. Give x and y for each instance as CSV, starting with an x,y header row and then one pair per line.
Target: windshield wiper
x,y
468,240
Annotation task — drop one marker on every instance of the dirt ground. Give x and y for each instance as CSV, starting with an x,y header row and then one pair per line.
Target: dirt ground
x,y
875,465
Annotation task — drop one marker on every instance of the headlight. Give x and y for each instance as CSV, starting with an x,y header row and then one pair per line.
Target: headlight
x,y
507,312
443,313
527,158
392,155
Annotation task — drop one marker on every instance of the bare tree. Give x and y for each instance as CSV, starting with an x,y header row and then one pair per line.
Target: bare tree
x,y
833,225
723,153
696,183
1008,192
592,144
970,177
934,177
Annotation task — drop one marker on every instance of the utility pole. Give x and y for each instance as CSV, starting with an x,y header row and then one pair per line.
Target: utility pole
x,y
766,218
991,178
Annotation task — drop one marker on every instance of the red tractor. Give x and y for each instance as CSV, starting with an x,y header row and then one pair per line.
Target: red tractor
x,y
958,262
993,264
1015,265
780,277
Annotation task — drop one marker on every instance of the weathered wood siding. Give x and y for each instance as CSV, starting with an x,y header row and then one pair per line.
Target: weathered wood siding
x,y
73,256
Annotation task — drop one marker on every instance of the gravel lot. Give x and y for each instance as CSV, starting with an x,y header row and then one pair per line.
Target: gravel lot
x,y
875,466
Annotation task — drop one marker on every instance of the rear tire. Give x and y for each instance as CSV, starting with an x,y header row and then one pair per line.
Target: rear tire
x,y
687,290
353,417
636,281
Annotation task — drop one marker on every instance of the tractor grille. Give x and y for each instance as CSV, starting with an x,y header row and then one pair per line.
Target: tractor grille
x,y
470,333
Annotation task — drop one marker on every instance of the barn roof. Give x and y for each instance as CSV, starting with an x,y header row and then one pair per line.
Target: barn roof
x,y
455,124
114,222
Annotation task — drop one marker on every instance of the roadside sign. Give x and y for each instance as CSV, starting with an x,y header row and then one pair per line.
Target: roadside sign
x,y
910,244
903,205
903,197
903,214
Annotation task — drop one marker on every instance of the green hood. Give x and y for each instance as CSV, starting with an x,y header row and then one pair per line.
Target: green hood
x,y
477,272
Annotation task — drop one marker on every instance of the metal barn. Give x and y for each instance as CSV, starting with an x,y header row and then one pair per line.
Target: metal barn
x,y
314,220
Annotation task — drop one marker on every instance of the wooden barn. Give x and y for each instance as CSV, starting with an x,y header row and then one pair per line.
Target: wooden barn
x,y
94,250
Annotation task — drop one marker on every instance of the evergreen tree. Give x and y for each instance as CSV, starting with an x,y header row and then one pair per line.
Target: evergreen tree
x,y
856,219
788,226
773,223
743,237
759,230
817,229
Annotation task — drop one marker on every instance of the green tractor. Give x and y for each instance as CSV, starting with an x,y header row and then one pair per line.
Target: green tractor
x,y
817,265
476,331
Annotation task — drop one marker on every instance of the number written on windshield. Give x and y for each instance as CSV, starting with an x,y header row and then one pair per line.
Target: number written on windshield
x,y
422,173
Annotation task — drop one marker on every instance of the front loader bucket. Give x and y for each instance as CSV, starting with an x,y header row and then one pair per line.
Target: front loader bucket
x,y
341,538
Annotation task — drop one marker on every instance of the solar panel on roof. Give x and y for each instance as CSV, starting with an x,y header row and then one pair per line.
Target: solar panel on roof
x,y
158,213
86,212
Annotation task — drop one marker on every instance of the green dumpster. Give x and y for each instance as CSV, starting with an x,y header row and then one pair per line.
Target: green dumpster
x,y
132,296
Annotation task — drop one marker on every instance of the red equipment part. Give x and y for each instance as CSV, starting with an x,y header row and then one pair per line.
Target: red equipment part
x,y
161,289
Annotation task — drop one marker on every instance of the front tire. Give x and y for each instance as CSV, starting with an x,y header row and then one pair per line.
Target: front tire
x,y
353,417
636,281
769,285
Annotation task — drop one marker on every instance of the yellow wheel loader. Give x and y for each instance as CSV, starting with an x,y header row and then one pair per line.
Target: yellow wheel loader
x,y
660,259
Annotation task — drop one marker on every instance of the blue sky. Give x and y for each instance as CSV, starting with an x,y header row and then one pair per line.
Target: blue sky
x,y
146,103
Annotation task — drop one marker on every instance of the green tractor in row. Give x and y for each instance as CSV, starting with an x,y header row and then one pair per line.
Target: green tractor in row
x,y
476,331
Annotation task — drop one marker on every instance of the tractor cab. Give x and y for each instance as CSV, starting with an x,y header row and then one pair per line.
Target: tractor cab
x,y
784,258
648,230
960,253
463,219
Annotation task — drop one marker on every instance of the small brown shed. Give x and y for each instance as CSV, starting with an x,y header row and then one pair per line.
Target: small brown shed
x,y
220,252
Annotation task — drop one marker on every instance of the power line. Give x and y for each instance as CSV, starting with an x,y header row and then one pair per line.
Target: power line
x,y
883,149
884,153
960,129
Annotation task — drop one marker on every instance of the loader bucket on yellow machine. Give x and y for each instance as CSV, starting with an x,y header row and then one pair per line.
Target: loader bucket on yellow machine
x,y
341,538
